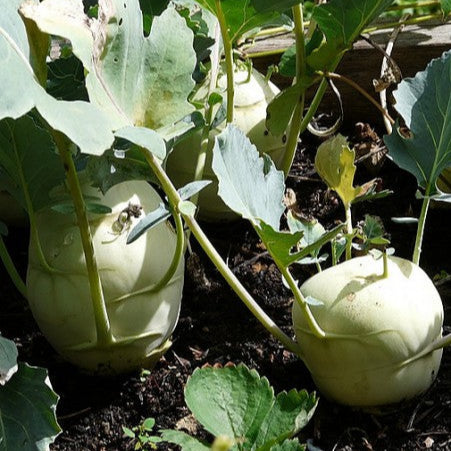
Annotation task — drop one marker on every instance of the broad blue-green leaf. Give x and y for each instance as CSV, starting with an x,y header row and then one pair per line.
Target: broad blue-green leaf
x,y
139,80
342,21
162,212
27,411
185,441
21,90
28,154
237,403
8,360
249,184
334,162
144,137
446,7
245,15
425,104
312,230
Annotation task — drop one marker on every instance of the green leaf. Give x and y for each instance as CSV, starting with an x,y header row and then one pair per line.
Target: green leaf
x,y
128,432
312,230
8,360
28,154
334,162
425,104
21,91
138,80
290,413
342,21
246,15
446,7
248,183
27,411
185,441
236,402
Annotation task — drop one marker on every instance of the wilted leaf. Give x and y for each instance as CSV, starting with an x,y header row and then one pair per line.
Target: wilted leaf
x,y
425,104
27,411
248,183
334,162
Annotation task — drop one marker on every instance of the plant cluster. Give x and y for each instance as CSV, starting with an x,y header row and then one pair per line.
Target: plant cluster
x,y
95,104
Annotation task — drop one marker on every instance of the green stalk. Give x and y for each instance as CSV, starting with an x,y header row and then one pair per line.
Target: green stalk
x,y
228,54
425,4
296,120
311,321
348,214
102,323
421,226
217,260
178,254
412,21
11,269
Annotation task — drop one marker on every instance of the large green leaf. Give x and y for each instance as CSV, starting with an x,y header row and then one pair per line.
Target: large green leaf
x,y
236,402
425,104
341,22
245,15
21,90
8,360
28,156
27,411
139,80
248,183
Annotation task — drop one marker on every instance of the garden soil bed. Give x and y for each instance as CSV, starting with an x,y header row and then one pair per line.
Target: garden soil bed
x,y
215,329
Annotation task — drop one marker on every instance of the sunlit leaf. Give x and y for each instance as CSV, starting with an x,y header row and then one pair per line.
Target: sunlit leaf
x,y
248,183
21,91
334,162
245,15
425,104
446,7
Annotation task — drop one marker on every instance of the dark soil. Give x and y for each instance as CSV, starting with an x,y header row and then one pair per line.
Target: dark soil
x,y
215,328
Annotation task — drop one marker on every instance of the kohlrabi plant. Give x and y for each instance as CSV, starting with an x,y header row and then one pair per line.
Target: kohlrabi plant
x,y
102,304
27,403
239,408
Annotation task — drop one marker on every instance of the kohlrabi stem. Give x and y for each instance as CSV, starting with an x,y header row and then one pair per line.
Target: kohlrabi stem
x,y
349,231
102,323
228,54
421,226
314,327
296,120
425,4
217,260
440,343
178,254
11,269
412,21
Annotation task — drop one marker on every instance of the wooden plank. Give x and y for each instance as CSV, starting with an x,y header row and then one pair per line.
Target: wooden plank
x,y
415,46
